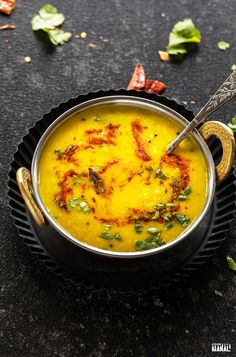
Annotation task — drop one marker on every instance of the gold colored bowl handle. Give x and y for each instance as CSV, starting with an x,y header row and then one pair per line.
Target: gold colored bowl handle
x,y
226,137
24,181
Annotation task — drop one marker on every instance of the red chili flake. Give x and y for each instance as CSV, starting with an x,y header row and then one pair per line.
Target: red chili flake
x,y
154,86
175,160
6,6
65,189
110,132
138,78
108,165
141,152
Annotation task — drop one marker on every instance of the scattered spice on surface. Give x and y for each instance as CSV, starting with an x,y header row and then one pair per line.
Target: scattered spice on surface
x,y
49,20
183,38
92,45
222,45
77,36
7,6
83,35
7,27
104,39
231,263
27,59
164,56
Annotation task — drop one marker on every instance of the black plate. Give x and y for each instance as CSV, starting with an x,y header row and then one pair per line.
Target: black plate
x,y
79,265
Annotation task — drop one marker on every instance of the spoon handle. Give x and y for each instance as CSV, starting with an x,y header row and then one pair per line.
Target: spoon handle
x,y
226,92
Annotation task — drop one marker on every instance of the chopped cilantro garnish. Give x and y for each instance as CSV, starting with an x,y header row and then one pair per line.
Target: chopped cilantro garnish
x,y
48,21
183,197
222,45
185,193
149,168
79,204
57,152
218,293
231,263
160,206
181,219
168,226
156,216
182,35
233,124
138,227
153,230
160,174
149,243
110,236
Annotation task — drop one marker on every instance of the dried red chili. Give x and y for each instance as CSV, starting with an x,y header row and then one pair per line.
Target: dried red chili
x,y
138,78
154,86
141,151
6,6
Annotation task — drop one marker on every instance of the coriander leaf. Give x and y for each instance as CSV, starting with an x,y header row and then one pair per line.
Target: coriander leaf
x,y
219,293
138,227
160,174
47,9
48,21
222,45
110,236
233,124
74,202
149,243
231,263
58,36
183,32
57,152
168,226
80,204
152,230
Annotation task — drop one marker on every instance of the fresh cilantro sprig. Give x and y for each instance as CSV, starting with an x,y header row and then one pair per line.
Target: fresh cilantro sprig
x,y
182,35
49,20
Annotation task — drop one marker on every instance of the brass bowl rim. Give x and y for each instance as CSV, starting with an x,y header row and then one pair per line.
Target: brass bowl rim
x,y
138,102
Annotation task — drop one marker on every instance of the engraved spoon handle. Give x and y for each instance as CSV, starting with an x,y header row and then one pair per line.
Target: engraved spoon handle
x,y
226,92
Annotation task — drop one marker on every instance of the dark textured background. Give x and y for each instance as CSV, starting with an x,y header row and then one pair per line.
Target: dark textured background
x,y
42,315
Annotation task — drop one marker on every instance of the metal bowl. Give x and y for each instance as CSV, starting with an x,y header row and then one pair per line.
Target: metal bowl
x,y
215,174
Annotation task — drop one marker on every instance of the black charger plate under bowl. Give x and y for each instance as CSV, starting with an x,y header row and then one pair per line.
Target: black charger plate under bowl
x,y
80,265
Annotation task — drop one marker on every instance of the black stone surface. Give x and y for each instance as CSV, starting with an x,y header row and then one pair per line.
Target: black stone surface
x,y
41,314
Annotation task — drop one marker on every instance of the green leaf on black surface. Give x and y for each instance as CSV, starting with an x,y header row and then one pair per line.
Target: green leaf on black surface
x,y
183,33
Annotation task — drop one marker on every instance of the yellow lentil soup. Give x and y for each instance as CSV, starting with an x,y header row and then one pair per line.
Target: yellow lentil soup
x,y
105,178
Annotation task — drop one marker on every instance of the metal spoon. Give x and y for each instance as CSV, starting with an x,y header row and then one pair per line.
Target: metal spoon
x,y
226,92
